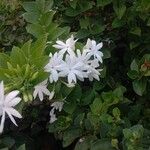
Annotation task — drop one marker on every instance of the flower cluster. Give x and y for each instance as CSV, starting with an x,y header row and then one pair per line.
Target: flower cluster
x,y
75,64
68,62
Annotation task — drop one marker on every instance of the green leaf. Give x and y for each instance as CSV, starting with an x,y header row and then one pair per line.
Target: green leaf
x,y
4,148
3,60
8,141
49,5
117,23
103,72
116,112
99,85
46,18
61,124
38,47
26,48
81,7
94,120
35,29
86,143
73,3
103,3
148,22
84,23
83,33
106,53
134,65
31,17
78,121
87,97
22,147
75,94
96,29
102,144
70,135
96,107
41,5
139,86
136,31
119,91
134,45
70,107
30,6
17,57
119,8
133,74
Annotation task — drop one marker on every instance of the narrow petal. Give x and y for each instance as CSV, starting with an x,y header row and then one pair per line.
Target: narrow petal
x,y
44,82
71,77
40,96
11,96
100,45
35,93
14,102
2,122
99,58
1,91
46,91
55,75
11,117
51,95
13,112
60,43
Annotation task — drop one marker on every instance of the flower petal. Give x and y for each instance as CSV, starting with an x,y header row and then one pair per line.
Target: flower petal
x,y
11,117
14,102
40,96
35,93
51,95
2,122
1,91
9,97
13,112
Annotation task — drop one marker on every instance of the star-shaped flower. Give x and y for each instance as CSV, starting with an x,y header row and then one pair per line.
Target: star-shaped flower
x,y
53,67
92,71
7,104
72,69
93,49
68,46
41,89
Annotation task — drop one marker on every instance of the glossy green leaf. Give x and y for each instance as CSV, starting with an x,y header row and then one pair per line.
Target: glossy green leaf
x,y
139,86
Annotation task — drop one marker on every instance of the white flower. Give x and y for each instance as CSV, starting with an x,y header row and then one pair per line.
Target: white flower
x,y
68,46
92,71
56,106
41,89
72,69
53,67
52,116
93,49
83,57
7,102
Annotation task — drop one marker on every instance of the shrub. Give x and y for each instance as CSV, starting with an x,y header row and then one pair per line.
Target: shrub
x,y
92,91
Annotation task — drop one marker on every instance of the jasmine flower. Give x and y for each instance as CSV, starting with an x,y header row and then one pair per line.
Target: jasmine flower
x,y
7,104
41,89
